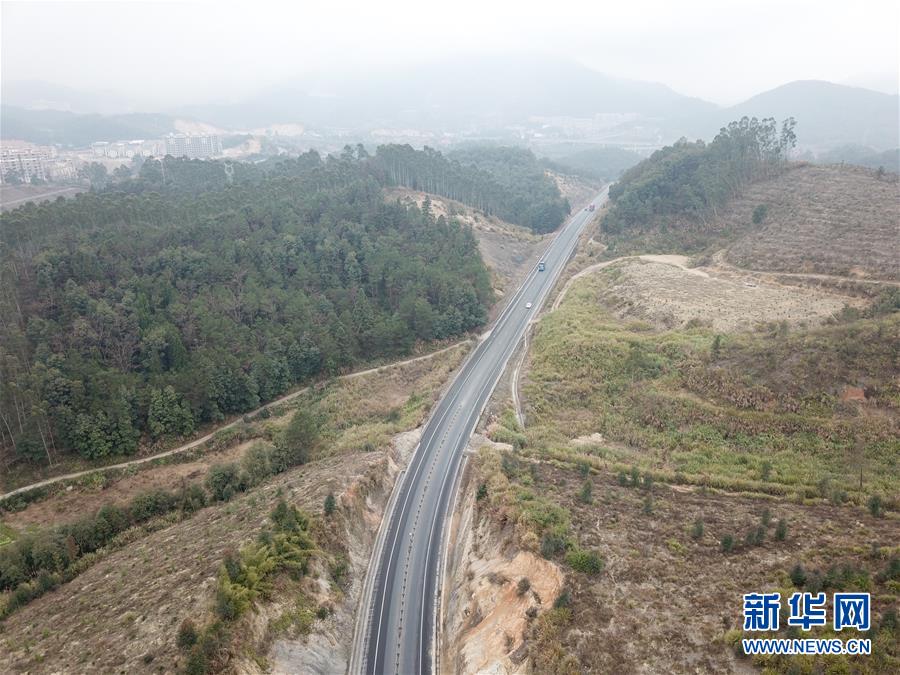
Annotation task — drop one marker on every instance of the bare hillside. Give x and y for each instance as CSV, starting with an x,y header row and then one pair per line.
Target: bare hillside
x,y
820,219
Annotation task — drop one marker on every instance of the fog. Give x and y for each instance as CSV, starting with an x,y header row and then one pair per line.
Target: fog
x,y
164,55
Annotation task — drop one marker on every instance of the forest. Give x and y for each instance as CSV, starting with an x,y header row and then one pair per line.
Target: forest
x,y
506,182
688,181
138,312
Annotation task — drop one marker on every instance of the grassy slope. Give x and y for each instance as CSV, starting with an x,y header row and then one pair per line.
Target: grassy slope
x,y
767,399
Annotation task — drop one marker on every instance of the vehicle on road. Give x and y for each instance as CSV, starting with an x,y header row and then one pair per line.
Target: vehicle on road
x,y
591,208
527,305
542,266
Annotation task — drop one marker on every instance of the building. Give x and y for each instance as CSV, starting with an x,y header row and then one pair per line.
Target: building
x,y
125,149
191,145
23,161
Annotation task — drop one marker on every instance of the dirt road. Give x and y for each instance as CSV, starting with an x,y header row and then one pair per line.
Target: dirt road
x,y
204,439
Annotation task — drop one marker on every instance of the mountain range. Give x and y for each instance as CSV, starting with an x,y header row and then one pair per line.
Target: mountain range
x,y
466,96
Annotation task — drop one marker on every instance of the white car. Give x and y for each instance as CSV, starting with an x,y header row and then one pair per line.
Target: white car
x,y
527,305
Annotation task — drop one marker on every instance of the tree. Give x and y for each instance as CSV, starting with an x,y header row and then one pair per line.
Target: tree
x,y
584,496
95,173
781,530
760,213
168,414
330,504
225,480
295,444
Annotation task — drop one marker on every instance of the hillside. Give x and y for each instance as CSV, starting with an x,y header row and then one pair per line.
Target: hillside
x,y
122,606
687,431
166,308
48,127
828,220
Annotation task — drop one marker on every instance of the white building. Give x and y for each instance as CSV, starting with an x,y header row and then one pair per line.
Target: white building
x,y
23,161
193,145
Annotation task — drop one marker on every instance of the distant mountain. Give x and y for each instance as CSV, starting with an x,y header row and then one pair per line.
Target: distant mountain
x,y
828,115
452,95
46,127
483,97
862,156
39,95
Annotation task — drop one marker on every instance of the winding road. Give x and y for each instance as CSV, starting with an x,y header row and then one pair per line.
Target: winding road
x,y
395,630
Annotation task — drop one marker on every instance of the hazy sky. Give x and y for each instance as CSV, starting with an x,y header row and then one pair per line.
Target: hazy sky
x,y
171,53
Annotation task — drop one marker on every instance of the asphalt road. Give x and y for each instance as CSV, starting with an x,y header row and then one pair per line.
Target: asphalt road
x,y
397,632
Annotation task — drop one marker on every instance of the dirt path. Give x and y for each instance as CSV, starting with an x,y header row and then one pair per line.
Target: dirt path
x,y
204,439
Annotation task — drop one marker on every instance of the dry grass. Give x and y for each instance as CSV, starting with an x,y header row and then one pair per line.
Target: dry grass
x,y
821,219
757,412
665,600
669,296
130,603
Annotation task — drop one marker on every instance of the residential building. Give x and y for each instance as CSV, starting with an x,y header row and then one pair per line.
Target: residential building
x,y
23,161
193,145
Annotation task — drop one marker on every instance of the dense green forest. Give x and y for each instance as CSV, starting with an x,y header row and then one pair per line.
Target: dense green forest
x,y
167,301
682,185
503,181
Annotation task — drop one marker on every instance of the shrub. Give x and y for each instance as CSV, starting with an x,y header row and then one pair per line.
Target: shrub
x,y
891,572
288,518
781,530
648,482
697,530
623,479
225,480
635,477
295,444
765,470
564,599
523,586
875,506
191,498
648,505
330,504
584,496
232,599
150,504
482,491
187,634
257,463
760,213
727,543
584,561
509,464
552,543
798,576
766,517
584,468
755,536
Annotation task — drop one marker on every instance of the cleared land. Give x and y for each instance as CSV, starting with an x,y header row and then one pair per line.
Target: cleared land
x,y
665,597
820,219
665,294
